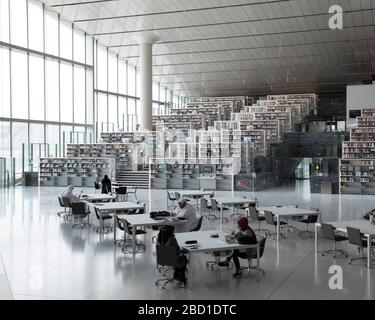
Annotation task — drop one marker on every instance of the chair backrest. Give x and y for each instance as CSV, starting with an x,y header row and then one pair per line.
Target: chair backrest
x,y
78,208
177,195
66,202
204,203
312,218
171,195
166,256
118,223
96,185
253,213
60,202
126,226
269,217
121,190
199,225
355,236
214,205
328,231
97,212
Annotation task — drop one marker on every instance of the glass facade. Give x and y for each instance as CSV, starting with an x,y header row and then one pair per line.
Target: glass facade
x,y
56,81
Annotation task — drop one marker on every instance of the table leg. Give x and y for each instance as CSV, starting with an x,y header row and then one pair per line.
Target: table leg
x,y
316,238
258,258
101,223
221,217
134,238
190,273
369,252
278,228
114,228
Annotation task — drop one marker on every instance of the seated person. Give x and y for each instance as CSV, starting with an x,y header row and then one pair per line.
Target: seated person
x,y
106,185
68,193
166,238
184,211
244,235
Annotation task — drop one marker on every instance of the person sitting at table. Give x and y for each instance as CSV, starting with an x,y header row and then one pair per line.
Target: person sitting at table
x,y
68,193
245,235
184,211
106,185
166,237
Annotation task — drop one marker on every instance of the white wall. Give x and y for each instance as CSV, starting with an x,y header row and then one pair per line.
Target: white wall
x,y
359,97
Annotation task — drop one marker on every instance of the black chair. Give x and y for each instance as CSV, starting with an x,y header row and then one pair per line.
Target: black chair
x,y
171,196
198,226
122,193
79,212
216,208
68,206
105,217
254,215
61,203
96,186
356,238
310,219
166,257
119,225
253,256
128,230
271,221
328,232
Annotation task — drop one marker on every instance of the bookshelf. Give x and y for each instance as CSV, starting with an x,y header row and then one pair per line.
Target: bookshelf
x,y
357,176
362,134
358,150
370,112
365,122
79,172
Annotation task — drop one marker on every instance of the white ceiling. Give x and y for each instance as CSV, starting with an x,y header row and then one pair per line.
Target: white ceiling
x,y
225,47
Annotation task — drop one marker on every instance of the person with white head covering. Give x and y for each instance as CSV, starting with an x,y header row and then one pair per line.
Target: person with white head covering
x,y
184,211
68,193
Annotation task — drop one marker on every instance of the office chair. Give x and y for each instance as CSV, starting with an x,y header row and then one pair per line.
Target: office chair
x,y
167,260
104,218
61,203
96,186
128,230
79,212
177,195
328,232
356,238
310,219
121,193
171,196
207,208
198,226
253,256
68,206
119,225
254,215
271,221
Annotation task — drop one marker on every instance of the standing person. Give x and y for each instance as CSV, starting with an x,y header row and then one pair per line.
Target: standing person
x,y
184,211
68,193
166,237
245,235
106,185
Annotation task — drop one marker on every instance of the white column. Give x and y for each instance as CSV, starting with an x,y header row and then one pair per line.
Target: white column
x,y
145,112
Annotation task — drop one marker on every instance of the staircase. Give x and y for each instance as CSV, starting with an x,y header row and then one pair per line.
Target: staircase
x,y
134,178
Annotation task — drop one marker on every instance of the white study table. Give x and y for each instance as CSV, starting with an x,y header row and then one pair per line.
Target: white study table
x,y
97,197
366,228
208,244
112,207
287,211
144,220
231,201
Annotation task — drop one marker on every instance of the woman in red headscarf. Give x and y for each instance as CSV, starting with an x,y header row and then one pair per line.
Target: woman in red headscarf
x,y
245,235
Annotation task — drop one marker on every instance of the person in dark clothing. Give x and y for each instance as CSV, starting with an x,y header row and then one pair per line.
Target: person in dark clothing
x,y
166,237
245,235
106,185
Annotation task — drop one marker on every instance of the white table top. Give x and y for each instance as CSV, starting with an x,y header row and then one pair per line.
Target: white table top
x,y
287,211
364,225
196,193
97,197
113,206
146,220
233,200
207,243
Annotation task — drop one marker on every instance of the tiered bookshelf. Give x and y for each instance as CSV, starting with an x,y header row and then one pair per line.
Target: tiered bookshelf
x,y
365,122
359,150
79,172
357,176
370,112
272,128
362,134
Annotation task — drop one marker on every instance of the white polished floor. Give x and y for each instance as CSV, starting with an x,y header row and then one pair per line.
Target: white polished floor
x,y
45,259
